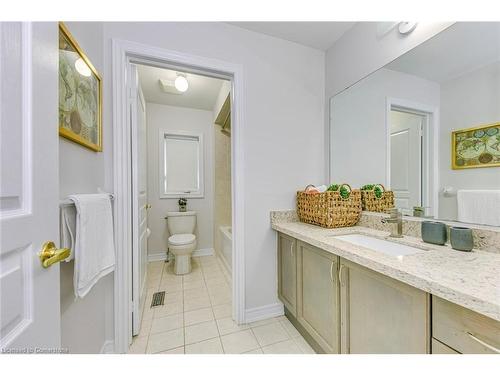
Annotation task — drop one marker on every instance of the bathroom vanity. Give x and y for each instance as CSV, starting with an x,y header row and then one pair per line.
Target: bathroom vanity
x,y
353,290
349,298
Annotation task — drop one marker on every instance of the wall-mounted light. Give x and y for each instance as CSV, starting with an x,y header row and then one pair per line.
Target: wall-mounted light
x,y
181,83
406,27
82,68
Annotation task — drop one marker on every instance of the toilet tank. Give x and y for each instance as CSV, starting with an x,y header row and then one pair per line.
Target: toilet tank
x,y
181,222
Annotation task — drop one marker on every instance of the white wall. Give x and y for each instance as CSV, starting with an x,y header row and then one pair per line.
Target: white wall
x,y
86,324
284,108
467,101
174,119
358,126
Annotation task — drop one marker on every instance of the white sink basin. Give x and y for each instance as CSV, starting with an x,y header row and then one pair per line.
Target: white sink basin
x,y
382,246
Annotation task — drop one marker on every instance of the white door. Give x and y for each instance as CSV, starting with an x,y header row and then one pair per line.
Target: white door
x,y
406,159
139,194
29,202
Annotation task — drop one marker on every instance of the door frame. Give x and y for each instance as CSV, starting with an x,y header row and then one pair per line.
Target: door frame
x,y
430,148
123,52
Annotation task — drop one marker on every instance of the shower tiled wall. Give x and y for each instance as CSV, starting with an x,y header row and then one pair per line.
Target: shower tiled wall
x,y
222,204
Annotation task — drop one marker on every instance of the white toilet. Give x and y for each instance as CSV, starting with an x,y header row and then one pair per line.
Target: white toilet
x,y
182,241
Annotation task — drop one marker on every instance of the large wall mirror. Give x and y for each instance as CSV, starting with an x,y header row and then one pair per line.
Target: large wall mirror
x,y
427,126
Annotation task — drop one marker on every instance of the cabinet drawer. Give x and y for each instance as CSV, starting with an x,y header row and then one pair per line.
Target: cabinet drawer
x,y
464,330
440,348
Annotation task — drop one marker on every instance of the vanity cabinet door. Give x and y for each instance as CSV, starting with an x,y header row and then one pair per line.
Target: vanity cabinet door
x,y
287,272
380,314
318,295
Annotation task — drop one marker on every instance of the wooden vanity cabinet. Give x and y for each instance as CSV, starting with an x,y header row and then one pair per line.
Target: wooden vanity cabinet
x,y
318,295
342,307
462,330
439,348
287,272
380,314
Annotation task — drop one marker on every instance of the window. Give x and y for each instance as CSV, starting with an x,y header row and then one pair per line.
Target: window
x,y
181,165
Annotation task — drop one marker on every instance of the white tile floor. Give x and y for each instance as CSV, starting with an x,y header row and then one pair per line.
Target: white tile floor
x,y
196,317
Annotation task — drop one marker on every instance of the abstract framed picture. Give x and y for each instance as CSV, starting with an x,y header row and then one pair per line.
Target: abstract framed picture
x,y
477,147
80,94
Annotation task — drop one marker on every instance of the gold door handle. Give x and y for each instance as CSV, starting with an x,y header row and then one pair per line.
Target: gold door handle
x,y
148,206
50,254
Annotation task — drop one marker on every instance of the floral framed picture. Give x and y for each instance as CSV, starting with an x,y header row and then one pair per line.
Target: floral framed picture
x,y
80,94
477,147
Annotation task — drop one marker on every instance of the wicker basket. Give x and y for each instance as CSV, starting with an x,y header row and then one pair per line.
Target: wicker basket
x,y
329,209
372,203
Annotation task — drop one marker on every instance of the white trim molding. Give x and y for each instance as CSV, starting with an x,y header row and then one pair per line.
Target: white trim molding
x,y
159,256
156,257
203,252
108,347
123,53
264,312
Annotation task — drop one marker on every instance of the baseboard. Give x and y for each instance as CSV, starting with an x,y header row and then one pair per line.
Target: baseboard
x,y
225,266
264,312
108,347
155,257
203,252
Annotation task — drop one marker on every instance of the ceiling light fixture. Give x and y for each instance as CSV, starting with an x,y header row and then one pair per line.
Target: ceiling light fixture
x,y
82,68
406,27
181,83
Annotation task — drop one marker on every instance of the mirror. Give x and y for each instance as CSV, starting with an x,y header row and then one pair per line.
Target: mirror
x,y
181,165
427,127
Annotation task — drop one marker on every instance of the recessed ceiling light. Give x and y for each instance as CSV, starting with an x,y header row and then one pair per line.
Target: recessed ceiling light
x,y
181,83
82,68
406,27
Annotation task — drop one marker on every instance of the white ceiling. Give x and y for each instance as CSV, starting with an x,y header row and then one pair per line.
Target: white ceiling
x,y
201,94
319,35
462,48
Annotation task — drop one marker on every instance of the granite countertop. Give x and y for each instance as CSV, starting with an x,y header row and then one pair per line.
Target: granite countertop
x,y
469,279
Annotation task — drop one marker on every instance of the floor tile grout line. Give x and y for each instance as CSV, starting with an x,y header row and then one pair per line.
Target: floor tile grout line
x,y
213,290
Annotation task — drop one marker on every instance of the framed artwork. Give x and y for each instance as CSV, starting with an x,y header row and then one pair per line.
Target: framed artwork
x,y
80,94
477,147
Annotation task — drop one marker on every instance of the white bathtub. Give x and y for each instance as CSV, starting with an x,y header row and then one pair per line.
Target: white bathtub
x,y
226,239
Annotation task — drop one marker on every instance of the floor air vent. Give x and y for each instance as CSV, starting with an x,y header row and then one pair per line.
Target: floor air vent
x,y
158,299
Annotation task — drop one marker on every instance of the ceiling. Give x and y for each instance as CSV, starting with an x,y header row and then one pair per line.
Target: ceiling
x,y
319,35
462,48
201,94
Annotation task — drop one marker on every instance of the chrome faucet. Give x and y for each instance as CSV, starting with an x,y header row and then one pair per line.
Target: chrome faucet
x,y
395,217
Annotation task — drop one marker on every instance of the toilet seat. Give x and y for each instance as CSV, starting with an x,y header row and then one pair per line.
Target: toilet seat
x,y
181,239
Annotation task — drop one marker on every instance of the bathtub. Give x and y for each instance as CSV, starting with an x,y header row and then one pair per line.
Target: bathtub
x,y
226,247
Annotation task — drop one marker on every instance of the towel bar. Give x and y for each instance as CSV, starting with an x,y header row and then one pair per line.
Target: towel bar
x,y
69,202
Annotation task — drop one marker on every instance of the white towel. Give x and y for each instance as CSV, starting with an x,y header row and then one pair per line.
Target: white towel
x,y
479,206
68,229
94,246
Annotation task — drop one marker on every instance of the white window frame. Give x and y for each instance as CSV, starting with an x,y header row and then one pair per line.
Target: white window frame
x,y
163,133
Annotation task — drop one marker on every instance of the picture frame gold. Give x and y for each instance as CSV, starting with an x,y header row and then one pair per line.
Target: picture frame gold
x,y
80,94
477,147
